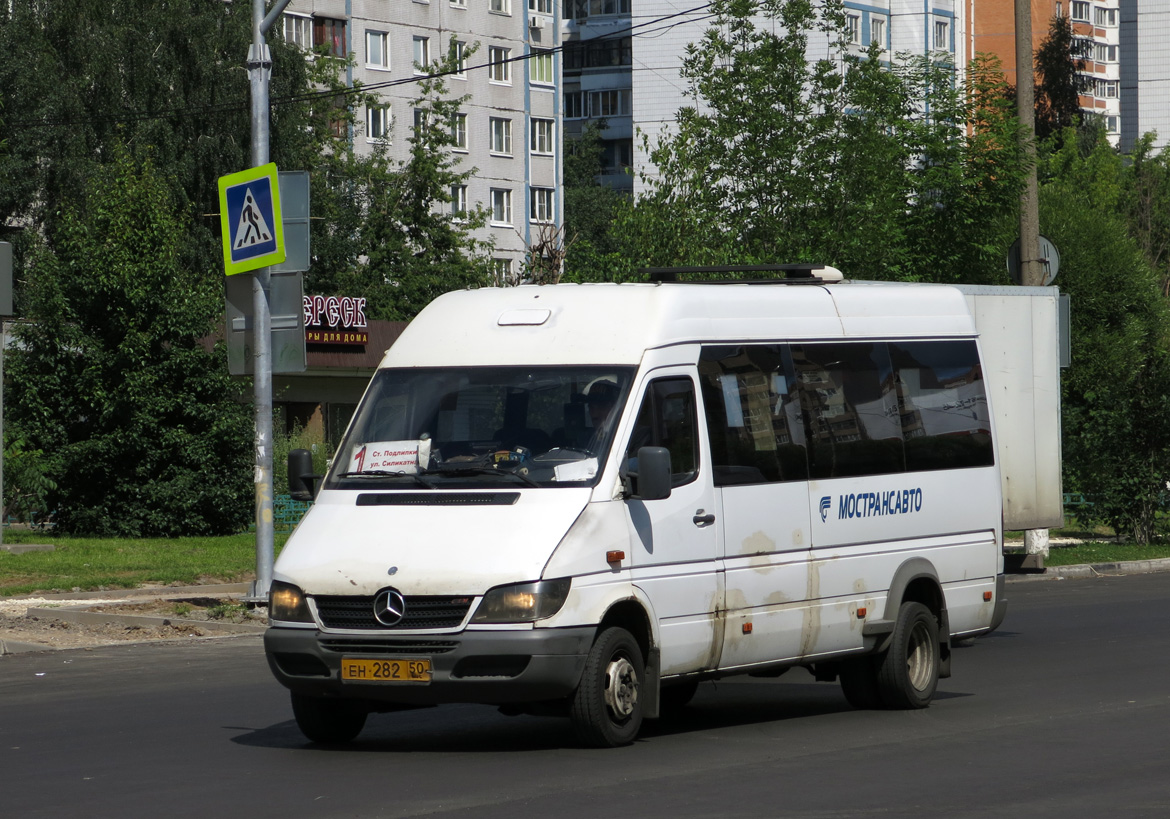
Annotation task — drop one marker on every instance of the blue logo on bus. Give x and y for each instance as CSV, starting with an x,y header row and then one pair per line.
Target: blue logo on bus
x,y
874,504
826,503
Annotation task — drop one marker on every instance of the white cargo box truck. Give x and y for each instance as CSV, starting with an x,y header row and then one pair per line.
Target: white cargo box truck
x,y
586,499
1019,335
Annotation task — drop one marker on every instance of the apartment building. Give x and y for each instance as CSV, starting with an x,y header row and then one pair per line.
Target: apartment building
x,y
1096,42
598,63
509,128
1144,40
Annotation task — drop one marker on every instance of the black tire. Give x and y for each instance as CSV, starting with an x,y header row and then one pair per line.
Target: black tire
x,y
328,721
908,672
859,682
606,709
672,699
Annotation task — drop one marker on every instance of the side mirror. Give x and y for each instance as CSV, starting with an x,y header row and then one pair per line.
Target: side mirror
x,y
300,474
651,478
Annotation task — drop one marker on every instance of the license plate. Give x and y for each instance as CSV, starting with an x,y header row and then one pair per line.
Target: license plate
x,y
355,669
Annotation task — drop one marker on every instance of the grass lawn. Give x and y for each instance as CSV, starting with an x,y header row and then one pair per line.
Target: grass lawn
x,y
1103,552
94,563
88,564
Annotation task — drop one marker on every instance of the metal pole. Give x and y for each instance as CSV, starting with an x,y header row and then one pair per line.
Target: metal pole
x,y
259,66
1031,268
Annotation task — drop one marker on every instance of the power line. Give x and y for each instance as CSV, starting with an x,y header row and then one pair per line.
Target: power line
x,y
348,91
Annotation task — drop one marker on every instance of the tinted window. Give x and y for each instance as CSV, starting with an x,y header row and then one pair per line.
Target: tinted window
x,y
753,414
667,418
942,404
848,395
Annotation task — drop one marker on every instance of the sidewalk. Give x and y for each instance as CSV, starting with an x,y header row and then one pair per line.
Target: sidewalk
x,y
70,607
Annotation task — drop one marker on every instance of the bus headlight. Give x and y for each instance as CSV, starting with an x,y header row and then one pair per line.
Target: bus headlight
x,y
523,602
288,603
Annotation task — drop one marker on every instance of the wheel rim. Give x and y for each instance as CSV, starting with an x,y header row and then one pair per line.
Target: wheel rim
x,y
920,657
621,687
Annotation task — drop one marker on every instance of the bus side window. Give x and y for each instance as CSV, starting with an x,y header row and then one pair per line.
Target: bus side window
x,y
667,418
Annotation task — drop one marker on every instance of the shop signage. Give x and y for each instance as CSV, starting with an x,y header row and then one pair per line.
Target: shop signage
x,y
335,320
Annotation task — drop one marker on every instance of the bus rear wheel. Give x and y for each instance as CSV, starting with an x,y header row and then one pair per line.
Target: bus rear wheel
x,y
907,675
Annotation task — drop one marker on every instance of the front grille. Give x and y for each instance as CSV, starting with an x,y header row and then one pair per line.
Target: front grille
x,y
392,647
422,611
438,499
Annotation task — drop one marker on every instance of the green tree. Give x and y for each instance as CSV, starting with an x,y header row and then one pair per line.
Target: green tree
x,y
591,208
866,166
1145,201
80,76
1116,394
138,421
1057,97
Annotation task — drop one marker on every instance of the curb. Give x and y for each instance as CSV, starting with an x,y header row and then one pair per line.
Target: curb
x,y
72,614
1118,569
144,591
69,615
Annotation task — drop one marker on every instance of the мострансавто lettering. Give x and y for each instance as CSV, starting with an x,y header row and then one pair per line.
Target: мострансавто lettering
x,y
874,504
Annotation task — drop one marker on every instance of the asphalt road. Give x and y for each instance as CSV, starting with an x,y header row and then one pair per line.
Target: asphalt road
x,y
1063,712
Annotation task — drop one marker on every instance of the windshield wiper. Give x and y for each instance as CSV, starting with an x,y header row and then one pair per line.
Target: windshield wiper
x,y
386,473
483,470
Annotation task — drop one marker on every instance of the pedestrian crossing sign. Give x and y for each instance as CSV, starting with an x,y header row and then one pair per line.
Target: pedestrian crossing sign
x,y
250,219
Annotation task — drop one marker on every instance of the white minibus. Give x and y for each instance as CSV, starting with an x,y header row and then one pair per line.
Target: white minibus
x,y
587,499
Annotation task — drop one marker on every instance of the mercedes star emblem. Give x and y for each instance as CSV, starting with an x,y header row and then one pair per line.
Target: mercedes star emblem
x,y
389,606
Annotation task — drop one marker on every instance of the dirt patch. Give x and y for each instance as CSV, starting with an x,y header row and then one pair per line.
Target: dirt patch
x,y
182,618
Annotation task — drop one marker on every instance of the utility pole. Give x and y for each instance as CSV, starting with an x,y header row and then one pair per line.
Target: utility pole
x,y
1031,267
259,65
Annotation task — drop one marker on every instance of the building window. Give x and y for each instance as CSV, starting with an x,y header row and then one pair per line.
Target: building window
x,y
617,155
377,51
422,121
459,51
501,135
1079,11
1111,125
877,30
502,271
458,202
543,131
574,105
1107,89
1082,49
459,131
298,31
1104,53
540,67
613,103
1105,17
942,35
853,28
459,4
598,53
540,6
501,206
330,33
378,123
500,6
499,65
580,9
542,205
584,104
422,54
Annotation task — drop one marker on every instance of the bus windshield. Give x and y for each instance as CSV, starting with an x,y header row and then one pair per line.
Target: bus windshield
x,y
481,427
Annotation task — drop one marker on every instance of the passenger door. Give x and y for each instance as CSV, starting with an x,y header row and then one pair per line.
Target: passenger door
x,y
675,540
760,468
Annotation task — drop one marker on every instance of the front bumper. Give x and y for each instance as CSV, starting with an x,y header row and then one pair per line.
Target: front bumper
x,y
493,667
